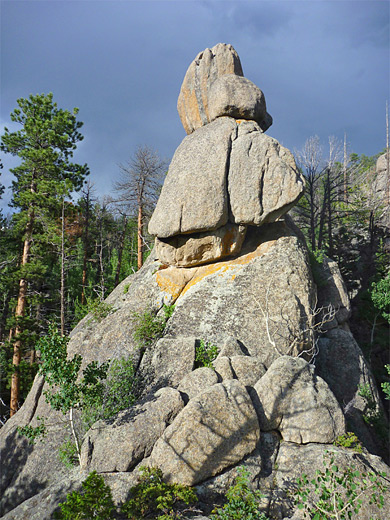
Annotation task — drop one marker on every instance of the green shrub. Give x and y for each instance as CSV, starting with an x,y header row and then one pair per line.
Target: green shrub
x,y
242,503
68,454
34,433
118,393
349,440
316,259
149,327
126,288
372,414
336,492
205,354
380,295
152,496
99,310
386,385
93,502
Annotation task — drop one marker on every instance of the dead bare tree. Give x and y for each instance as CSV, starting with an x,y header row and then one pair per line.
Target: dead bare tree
x,y
138,189
306,333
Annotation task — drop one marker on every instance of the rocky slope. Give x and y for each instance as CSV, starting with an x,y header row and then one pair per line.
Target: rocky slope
x,y
285,382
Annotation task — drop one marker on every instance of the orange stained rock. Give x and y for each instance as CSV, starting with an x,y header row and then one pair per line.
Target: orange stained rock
x,y
177,280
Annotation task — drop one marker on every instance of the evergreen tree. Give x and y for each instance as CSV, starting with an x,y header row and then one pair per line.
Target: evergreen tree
x,y
45,144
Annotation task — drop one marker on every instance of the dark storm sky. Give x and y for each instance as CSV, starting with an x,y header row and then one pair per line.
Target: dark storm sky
x,y
322,65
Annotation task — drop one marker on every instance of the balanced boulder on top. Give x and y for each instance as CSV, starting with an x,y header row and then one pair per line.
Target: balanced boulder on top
x,y
227,174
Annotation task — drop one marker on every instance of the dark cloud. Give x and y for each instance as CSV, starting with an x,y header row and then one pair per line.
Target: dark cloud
x,y
323,66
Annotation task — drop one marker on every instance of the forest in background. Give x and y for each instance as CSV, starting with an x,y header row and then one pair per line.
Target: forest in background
x,y
63,249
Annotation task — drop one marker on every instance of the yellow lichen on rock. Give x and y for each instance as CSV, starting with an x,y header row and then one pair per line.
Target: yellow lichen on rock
x,y
176,281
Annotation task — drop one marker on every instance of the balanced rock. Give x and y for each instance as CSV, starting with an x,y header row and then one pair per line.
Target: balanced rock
x,y
264,182
214,431
237,97
209,65
194,195
293,400
223,170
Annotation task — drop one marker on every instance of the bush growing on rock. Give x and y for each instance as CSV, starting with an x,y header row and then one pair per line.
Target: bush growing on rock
x,y
94,501
336,493
242,503
205,354
149,327
102,391
152,496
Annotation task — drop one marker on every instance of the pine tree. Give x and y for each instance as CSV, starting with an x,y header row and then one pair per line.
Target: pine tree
x,y
44,143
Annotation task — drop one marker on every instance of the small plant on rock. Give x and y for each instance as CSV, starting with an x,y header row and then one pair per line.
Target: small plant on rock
x,y
336,493
205,354
242,502
349,440
386,385
149,327
152,497
94,501
100,393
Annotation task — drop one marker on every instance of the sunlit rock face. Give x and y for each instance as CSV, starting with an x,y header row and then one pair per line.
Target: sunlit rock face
x,y
227,173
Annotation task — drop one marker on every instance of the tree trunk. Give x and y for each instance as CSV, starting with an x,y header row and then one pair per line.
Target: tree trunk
x,y
120,252
19,313
330,229
84,275
62,294
312,218
140,236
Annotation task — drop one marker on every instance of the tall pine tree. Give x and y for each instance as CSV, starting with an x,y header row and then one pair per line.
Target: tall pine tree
x,y
44,143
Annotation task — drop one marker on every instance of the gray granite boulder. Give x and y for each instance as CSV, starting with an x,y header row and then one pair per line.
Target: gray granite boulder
x,y
263,298
332,292
201,248
296,402
209,65
194,195
247,369
198,381
214,431
121,445
293,460
341,363
264,182
237,97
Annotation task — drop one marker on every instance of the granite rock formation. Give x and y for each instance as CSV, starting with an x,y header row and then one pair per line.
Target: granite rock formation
x,y
227,174
238,272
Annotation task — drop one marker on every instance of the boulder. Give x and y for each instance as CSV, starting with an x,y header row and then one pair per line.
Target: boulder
x,y
214,431
168,361
332,293
208,66
247,369
341,363
200,248
223,367
198,381
263,180
120,446
263,298
296,402
194,195
237,97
